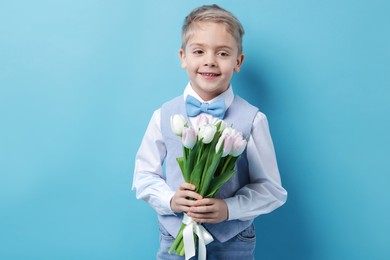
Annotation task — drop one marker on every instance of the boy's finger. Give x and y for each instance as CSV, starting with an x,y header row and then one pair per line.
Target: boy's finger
x,y
187,186
203,202
193,195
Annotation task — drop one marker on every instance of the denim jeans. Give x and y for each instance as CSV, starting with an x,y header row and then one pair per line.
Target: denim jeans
x,y
240,247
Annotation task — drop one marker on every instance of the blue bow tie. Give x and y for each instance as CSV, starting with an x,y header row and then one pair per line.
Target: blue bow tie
x,y
194,107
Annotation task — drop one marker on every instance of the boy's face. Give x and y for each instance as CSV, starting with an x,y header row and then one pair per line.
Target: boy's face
x,y
210,58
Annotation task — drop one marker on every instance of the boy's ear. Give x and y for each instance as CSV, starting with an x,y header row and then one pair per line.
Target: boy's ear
x,y
240,60
182,58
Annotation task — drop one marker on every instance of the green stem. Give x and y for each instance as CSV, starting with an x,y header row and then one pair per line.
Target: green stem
x,y
206,166
180,250
191,159
178,240
226,163
209,175
199,152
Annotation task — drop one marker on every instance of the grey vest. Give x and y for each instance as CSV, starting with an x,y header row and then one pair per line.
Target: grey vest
x,y
240,115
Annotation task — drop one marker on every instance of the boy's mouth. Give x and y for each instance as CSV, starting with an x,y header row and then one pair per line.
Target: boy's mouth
x,y
209,74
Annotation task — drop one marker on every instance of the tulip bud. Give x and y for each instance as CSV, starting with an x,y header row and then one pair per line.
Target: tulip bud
x,y
188,137
228,131
237,135
220,123
227,141
239,145
177,124
206,133
219,143
201,121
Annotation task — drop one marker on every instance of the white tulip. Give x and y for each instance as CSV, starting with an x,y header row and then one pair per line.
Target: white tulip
x,y
206,133
177,124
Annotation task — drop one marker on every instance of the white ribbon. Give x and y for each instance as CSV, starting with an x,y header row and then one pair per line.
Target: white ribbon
x,y
188,237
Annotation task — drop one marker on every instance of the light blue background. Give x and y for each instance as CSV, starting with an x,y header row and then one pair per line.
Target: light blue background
x,y
79,81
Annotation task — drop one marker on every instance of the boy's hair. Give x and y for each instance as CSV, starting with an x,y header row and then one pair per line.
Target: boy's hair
x,y
215,14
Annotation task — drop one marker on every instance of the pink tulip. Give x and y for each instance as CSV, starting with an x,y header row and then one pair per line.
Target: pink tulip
x,y
201,121
228,142
188,137
239,145
230,131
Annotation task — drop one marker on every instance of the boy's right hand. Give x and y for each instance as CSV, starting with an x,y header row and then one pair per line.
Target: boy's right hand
x,y
184,198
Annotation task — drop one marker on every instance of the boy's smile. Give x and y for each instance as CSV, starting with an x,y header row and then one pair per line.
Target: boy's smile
x,y
209,75
210,58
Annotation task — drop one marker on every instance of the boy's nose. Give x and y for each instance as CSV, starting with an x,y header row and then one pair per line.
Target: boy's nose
x,y
209,64
210,61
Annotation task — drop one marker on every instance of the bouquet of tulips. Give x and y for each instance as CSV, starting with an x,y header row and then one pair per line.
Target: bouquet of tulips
x,y
210,152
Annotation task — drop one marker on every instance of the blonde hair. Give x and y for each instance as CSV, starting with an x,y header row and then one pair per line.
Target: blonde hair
x,y
215,14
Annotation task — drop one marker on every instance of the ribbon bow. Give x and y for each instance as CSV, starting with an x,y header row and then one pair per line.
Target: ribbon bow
x,y
194,107
188,236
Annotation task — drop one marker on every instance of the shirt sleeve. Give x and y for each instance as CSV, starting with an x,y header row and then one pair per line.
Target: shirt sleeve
x,y
264,193
148,180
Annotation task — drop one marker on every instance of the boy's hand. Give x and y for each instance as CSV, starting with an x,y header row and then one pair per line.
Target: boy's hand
x,y
208,210
184,198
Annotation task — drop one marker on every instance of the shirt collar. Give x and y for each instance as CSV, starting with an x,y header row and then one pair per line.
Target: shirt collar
x,y
227,95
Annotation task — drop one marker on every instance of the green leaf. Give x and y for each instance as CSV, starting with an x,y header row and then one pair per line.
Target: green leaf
x,y
232,162
217,182
185,152
208,175
191,157
196,174
183,169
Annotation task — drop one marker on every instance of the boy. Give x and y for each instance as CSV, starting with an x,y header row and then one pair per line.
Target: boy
x,y
211,52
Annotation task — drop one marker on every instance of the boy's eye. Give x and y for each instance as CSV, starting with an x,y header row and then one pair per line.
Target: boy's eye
x,y
197,52
223,54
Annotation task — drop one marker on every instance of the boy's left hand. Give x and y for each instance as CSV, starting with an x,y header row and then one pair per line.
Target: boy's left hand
x,y
208,210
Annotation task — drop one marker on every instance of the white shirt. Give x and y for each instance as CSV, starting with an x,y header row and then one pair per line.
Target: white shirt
x,y
264,194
